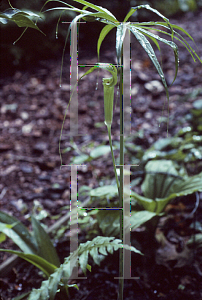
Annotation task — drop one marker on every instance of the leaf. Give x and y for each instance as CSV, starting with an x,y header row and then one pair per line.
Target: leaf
x,y
53,283
18,233
161,175
149,50
21,297
147,203
98,8
61,275
105,191
45,246
2,237
109,223
169,43
46,267
106,66
140,217
102,35
100,151
188,186
120,35
21,18
146,6
162,184
80,159
129,14
83,260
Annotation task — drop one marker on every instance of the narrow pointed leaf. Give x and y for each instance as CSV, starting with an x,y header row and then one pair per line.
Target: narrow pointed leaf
x,y
102,35
85,14
98,8
169,43
46,267
120,35
179,38
129,14
149,50
181,29
146,6
45,246
153,40
19,234
106,66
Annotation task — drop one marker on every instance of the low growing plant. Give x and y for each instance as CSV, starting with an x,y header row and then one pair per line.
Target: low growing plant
x,y
38,250
162,183
143,32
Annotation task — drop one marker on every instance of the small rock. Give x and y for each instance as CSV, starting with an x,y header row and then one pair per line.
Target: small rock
x,y
5,147
9,108
33,196
26,129
154,86
49,203
65,87
40,147
143,77
19,205
24,115
44,177
65,195
134,90
25,168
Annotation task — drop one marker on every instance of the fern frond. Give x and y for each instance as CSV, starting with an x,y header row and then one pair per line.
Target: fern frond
x,y
98,248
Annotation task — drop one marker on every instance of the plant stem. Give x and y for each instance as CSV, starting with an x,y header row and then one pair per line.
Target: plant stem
x,y
112,153
121,280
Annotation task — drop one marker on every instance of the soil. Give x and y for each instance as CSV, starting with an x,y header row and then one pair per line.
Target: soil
x,y
32,180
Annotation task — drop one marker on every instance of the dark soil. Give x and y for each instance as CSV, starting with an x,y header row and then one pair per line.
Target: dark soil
x,y
32,111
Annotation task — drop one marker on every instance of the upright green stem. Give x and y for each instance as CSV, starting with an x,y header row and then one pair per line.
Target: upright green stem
x,y
121,280
112,153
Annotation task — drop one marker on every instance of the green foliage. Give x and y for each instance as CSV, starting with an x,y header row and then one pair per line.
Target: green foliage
x,y
109,223
37,247
197,115
163,183
42,254
20,17
175,6
97,248
46,267
185,146
107,190
20,235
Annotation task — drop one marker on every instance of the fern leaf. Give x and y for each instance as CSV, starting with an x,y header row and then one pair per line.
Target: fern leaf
x,y
97,248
